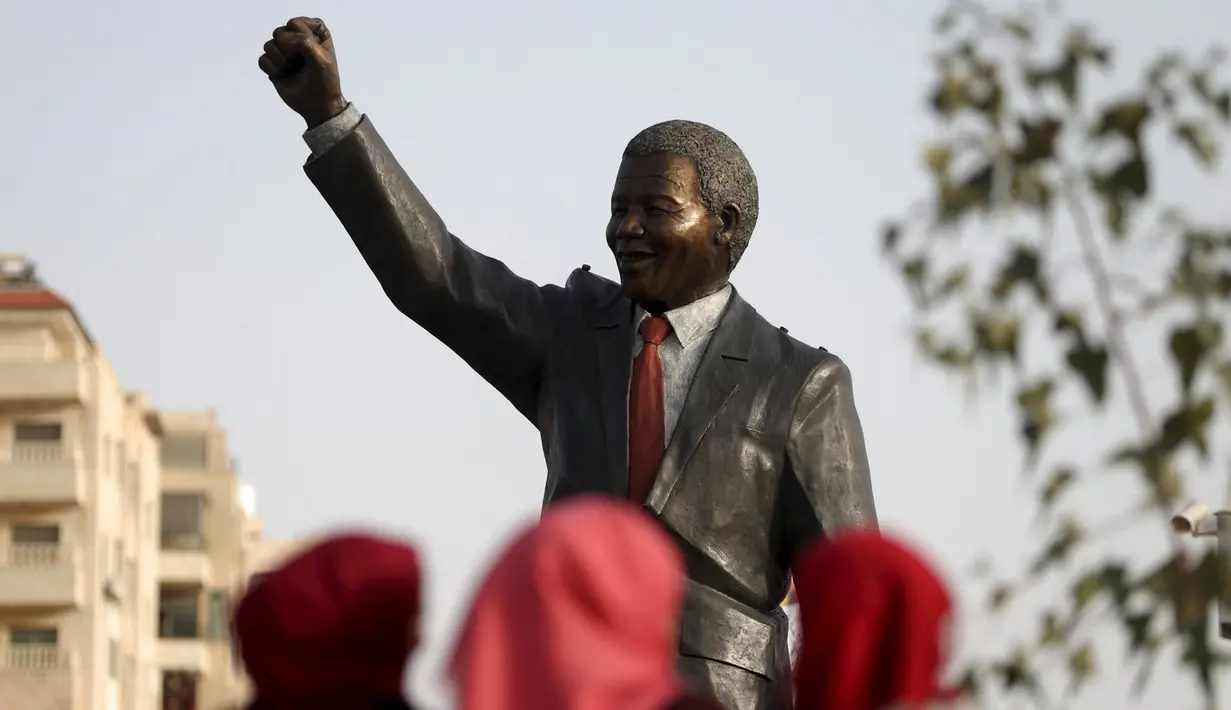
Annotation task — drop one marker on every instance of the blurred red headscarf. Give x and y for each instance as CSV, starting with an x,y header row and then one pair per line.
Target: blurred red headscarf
x,y
875,620
579,613
333,627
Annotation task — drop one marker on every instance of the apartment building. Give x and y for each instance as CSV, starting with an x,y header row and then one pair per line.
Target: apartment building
x,y
79,496
125,532
208,524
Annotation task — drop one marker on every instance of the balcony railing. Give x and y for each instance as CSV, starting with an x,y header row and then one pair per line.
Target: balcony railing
x,y
39,452
32,657
41,472
182,541
31,554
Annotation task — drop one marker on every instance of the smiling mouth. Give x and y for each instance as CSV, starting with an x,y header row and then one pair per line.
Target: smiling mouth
x,y
633,257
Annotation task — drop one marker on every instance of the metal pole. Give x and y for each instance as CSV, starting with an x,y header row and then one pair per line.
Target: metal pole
x,y
1224,573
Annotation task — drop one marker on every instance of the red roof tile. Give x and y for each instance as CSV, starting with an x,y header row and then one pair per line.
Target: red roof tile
x,y
40,299
34,299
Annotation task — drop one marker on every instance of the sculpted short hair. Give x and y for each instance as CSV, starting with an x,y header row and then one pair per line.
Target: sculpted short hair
x,y
725,175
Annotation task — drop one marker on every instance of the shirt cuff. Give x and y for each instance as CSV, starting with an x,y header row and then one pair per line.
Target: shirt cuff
x,y
331,132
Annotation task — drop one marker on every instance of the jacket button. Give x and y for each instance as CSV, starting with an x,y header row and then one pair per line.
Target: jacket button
x,y
585,267
783,329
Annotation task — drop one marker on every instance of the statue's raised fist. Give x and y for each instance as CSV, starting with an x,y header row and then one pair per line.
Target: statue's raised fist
x,y
300,62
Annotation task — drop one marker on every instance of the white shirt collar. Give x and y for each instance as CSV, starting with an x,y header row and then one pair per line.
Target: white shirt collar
x,y
694,320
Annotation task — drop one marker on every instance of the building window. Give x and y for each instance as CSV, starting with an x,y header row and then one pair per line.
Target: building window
x,y
34,647
183,451
177,613
113,658
219,615
36,534
179,690
34,636
105,459
183,521
34,545
25,432
37,441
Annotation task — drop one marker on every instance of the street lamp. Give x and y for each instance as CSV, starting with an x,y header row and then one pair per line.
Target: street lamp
x,y
1198,521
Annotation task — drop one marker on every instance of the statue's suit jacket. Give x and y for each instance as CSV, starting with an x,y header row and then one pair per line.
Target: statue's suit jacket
x,y
767,455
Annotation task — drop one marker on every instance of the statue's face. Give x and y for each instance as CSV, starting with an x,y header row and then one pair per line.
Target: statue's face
x,y
669,249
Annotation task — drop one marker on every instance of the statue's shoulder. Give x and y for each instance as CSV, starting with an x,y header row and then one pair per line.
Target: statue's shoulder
x,y
590,292
584,281
806,353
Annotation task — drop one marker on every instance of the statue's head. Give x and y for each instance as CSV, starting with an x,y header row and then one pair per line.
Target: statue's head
x,y
682,213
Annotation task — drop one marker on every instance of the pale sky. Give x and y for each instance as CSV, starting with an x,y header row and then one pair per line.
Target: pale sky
x,y
154,175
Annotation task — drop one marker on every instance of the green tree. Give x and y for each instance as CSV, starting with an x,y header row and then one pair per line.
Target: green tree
x,y
1041,184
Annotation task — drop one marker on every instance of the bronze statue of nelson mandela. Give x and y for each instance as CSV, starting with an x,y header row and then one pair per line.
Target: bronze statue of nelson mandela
x,y
667,388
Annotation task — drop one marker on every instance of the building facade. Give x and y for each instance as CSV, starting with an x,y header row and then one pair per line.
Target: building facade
x,y
124,532
79,489
207,525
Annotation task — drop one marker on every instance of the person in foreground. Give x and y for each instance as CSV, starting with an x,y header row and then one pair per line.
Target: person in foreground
x,y
667,389
333,628
580,612
876,620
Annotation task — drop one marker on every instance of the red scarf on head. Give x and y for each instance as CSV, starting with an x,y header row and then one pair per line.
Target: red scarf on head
x,y
579,613
332,629
875,619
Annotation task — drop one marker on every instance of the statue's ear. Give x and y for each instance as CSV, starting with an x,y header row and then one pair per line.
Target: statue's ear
x,y
729,220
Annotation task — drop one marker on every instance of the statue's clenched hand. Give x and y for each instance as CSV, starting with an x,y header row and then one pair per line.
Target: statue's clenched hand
x,y
301,63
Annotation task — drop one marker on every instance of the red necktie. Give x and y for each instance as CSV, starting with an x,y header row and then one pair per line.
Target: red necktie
x,y
645,411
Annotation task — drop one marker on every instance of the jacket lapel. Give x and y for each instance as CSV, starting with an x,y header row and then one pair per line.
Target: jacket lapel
x,y
612,325
718,377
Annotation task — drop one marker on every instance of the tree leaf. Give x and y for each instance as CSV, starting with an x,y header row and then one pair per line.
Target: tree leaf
x,y
1157,470
1114,578
1222,104
1200,143
999,597
1023,267
953,282
970,682
915,271
1130,177
1059,482
1053,632
1090,363
948,355
1124,118
997,336
951,94
1115,215
1190,347
938,157
1086,590
1038,142
1198,654
890,236
1081,666
1030,188
1037,416
1069,320
1019,28
1016,673
1138,628
1188,423
1066,537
